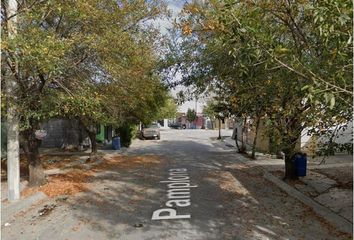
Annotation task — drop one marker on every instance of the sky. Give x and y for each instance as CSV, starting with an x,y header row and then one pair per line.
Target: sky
x,y
175,7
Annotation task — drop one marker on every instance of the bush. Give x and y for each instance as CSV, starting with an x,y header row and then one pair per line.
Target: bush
x,y
126,133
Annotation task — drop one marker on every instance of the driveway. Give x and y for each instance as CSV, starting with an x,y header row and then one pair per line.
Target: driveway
x,y
214,196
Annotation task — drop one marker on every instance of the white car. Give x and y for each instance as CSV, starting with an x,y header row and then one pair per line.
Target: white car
x,y
151,131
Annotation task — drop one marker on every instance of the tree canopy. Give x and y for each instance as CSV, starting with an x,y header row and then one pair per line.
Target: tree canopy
x,y
91,60
191,115
287,61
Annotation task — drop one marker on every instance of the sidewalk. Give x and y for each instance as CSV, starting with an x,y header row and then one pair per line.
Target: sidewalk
x,y
58,164
328,185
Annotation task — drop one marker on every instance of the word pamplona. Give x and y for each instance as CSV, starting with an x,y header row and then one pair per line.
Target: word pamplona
x,y
178,195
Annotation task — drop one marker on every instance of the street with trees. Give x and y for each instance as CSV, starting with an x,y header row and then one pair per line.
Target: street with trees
x,y
94,61
286,62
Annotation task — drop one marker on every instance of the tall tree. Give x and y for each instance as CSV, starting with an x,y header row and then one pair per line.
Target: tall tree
x,y
191,115
64,45
288,61
168,110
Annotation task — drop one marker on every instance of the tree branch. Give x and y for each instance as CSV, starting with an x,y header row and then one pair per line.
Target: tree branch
x,y
25,8
314,76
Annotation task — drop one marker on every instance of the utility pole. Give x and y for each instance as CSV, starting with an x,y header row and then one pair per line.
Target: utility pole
x,y
13,146
196,113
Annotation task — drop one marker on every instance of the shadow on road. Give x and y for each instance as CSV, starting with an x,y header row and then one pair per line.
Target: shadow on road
x,y
227,204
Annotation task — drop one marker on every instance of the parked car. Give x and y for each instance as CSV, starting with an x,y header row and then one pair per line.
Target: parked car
x,y
151,131
177,125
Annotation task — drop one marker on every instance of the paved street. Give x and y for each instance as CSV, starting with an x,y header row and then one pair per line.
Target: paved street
x,y
228,200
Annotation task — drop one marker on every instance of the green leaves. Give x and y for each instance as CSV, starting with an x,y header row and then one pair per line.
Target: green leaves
x,y
291,63
92,60
191,115
168,110
329,99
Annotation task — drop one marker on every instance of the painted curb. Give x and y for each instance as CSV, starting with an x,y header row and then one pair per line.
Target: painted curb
x,y
12,208
339,222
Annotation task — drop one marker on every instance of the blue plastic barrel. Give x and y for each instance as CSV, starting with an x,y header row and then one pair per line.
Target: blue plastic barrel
x,y
300,165
116,143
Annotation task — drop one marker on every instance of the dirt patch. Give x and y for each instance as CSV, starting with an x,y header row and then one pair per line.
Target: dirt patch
x,y
309,212
280,174
250,198
230,184
63,184
77,180
51,162
342,175
29,191
121,162
46,210
48,162
237,166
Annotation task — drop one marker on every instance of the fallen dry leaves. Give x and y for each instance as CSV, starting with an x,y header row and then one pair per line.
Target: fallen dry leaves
x,y
309,212
63,184
342,175
231,184
77,180
120,162
50,162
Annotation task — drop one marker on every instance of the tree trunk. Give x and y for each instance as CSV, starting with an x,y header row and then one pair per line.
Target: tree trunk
x,y
234,136
289,152
239,149
92,136
255,138
289,142
290,168
243,144
37,176
80,136
219,137
91,131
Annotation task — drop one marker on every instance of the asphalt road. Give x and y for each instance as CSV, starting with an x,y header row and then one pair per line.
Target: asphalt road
x,y
228,200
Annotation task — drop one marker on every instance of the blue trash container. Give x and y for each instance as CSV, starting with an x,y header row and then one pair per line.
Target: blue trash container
x,y
116,143
300,164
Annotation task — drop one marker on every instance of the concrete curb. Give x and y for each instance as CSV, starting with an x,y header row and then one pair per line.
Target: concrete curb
x,y
339,222
12,208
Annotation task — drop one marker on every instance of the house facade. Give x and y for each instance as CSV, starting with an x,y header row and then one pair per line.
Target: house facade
x,y
68,133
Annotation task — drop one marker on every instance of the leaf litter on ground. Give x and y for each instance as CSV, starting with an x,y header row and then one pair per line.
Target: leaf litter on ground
x,y
78,179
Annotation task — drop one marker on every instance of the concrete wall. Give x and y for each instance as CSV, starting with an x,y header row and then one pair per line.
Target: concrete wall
x,y
309,143
262,142
62,132
228,123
